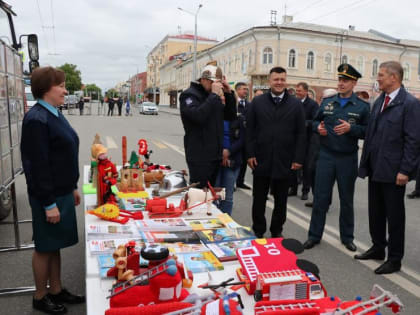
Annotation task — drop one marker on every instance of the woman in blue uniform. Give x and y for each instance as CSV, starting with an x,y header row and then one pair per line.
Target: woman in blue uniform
x,y
50,149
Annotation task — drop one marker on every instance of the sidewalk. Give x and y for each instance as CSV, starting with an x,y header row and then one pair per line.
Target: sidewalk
x,y
169,110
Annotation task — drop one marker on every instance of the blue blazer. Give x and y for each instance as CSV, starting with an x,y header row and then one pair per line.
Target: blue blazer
x,y
392,141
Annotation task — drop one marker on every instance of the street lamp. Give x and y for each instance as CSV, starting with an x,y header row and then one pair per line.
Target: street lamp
x,y
195,39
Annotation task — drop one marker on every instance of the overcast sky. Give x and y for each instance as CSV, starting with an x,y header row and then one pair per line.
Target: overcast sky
x,y
109,40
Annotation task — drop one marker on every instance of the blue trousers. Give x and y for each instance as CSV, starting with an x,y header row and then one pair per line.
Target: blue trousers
x,y
331,167
227,178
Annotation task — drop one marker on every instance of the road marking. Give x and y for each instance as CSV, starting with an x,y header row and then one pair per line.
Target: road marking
x,y
110,143
399,280
159,144
174,147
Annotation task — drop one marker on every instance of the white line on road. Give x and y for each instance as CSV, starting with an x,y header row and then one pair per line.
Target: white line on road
x,y
110,143
333,241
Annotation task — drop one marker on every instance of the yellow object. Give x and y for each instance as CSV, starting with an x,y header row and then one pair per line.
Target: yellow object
x,y
97,149
139,194
106,211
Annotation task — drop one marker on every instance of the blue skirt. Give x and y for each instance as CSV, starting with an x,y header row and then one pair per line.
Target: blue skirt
x,y
50,237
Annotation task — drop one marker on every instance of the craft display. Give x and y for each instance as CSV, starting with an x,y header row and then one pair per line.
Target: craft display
x,y
153,260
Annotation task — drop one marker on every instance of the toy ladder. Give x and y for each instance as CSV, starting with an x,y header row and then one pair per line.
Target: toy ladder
x,y
250,267
374,303
144,276
196,309
295,306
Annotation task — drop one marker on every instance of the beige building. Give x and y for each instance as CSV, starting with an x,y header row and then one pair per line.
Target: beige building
x,y
172,47
309,52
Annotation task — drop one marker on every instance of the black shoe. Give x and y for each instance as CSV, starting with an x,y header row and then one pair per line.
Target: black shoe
x,y
350,246
66,297
304,196
259,235
388,267
372,253
46,305
310,243
309,204
292,192
413,195
243,186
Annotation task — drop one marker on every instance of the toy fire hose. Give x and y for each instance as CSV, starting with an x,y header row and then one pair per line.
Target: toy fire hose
x,y
111,212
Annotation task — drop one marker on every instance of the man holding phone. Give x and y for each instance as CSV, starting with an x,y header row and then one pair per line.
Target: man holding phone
x,y
204,106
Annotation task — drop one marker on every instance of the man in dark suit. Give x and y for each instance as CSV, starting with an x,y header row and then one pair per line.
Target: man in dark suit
x,y
390,158
310,107
275,146
242,92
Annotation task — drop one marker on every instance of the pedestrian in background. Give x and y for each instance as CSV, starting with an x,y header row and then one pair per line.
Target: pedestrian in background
x,y
242,92
233,145
111,104
81,105
275,144
258,92
314,149
202,115
340,121
310,107
50,149
390,159
127,107
119,105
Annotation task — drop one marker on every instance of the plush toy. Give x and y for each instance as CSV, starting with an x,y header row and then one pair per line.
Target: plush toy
x,y
107,175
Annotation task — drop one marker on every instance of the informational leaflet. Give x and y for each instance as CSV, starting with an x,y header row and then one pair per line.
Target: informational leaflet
x,y
282,292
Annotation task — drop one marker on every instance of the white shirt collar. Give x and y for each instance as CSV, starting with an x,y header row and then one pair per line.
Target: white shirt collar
x,y
274,95
393,94
303,99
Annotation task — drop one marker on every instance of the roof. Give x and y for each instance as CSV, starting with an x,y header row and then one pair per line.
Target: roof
x,y
191,37
369,35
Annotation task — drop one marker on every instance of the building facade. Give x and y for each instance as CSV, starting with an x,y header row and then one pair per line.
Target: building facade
x,y
138,85
172,47
309,52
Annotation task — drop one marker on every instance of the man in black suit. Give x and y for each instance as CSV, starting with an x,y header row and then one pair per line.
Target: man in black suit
x,y
242,92
390,158
310,107
275,145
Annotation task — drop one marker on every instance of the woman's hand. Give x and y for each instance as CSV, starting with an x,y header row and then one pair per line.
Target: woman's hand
x,y
76,196
53,215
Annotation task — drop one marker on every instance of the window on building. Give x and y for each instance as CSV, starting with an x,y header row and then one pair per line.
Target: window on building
x,y
360,65
310,61
250,57
374,68
328,62
267,56
292,58
406,69
344,59
243,63
236,63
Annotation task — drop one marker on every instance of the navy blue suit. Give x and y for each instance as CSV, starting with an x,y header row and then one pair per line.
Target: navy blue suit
x,y
392,146
241,177
337,161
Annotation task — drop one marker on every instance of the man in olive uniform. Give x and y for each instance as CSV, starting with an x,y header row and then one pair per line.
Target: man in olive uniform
x,y
341,121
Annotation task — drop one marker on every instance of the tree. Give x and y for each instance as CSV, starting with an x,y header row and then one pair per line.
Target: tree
x,y
112,93
73,77
93,90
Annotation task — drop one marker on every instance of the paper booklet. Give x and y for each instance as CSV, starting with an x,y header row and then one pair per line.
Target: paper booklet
x,y
204,224
202,262
225,234
109,231
164,224
226,251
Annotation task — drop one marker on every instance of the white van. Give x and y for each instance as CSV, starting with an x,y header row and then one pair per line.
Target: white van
x,y
30,101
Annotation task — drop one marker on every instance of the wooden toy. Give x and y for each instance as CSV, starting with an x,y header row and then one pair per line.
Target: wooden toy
x,y
195,197
153,177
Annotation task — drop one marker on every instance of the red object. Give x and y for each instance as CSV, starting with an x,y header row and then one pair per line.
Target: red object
x,y
107,176
154,309
142,146
387,99
158,207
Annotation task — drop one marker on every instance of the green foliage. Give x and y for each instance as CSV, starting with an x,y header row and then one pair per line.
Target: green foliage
x,y
94,90
112,93
73,77
133,159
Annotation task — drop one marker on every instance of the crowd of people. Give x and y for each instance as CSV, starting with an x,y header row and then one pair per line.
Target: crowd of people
x,y
284,137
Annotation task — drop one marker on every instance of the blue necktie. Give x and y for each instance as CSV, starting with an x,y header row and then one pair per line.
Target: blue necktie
x,y
277,100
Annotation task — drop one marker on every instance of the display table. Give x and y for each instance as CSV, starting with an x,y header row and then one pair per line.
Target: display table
x,y
97,288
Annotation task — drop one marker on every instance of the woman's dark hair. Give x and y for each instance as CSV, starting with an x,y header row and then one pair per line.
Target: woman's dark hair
x,y
44,78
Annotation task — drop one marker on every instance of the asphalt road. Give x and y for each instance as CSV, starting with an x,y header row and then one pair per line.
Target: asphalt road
x,y
341,274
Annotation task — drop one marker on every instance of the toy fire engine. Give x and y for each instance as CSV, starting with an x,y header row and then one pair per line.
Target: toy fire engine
x,y
288,285
332,305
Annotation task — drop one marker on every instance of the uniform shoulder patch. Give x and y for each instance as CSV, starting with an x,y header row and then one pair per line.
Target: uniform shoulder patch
x,y
189,101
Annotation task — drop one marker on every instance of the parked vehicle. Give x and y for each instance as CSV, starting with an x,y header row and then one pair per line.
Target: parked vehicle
x,y
12,106
30,100
149,108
